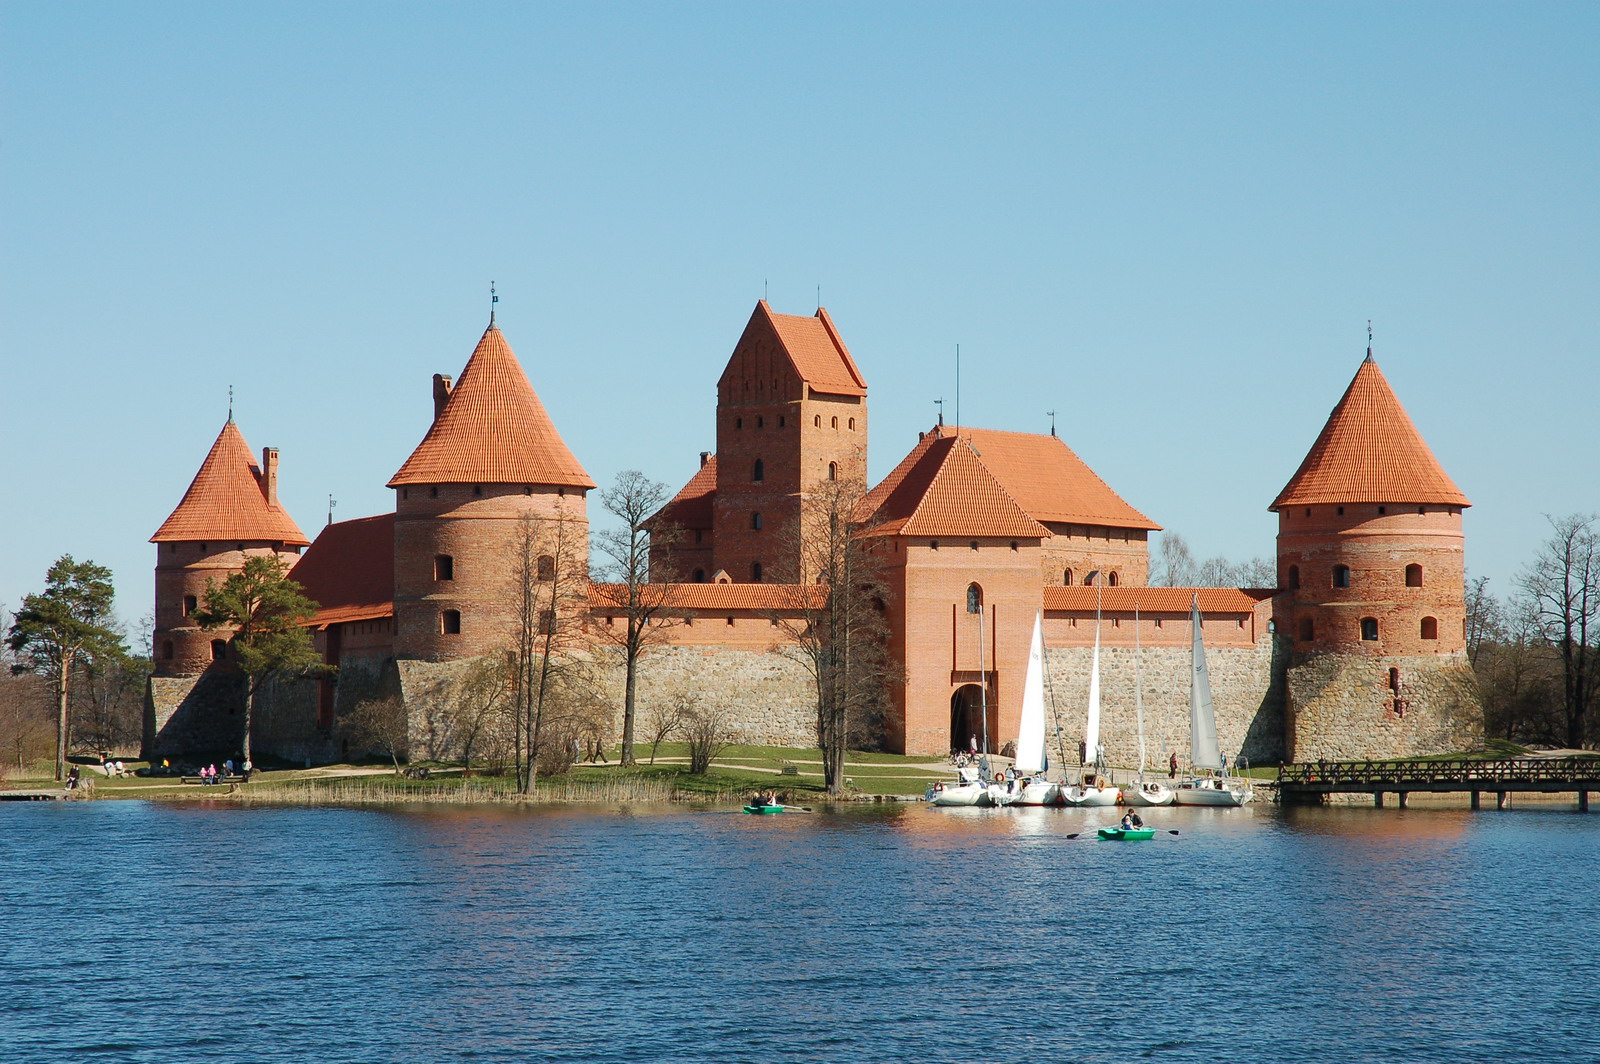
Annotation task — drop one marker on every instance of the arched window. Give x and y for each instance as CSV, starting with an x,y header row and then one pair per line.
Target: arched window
x,y
699,576
1307,630
1341,576
219,650
450,622
852,423
547,567
755,521
189,604
1294,577
738,422
974,598
1369,628
835,423
444,567
547,622
1111,578
1413,576
755,572
817,421
761,422
1066,578
759,473
1430,628
833,470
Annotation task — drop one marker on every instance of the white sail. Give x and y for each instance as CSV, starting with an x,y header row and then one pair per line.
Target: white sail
x,y
1203,752
1030,736
1091,731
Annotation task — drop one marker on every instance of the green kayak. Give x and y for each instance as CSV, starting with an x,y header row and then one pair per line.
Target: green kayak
x,y
1123,835
763,809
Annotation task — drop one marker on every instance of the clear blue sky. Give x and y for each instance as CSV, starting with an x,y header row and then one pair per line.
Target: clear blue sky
x,y
1169,223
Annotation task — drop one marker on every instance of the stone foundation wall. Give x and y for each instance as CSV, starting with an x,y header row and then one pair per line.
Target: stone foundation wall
x,y
193,718
768,696
1249,703
1342,708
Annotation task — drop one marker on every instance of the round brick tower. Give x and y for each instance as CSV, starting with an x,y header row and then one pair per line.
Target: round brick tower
x,y
230,513
491,473
1371,557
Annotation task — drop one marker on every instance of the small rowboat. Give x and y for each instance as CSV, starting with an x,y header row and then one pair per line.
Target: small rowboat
x,y
765,810
1126,834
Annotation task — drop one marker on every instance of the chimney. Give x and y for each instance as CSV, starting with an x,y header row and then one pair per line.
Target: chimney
x,y
441,393
705,456
269,474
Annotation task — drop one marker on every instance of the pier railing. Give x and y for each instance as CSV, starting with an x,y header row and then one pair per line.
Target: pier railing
x,y
1540,774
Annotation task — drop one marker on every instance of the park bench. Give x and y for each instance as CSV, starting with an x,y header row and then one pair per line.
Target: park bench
x,y
217,780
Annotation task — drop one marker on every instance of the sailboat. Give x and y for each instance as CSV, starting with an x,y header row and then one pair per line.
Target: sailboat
x,y
1032,761
1144,791
1203,752
1092,791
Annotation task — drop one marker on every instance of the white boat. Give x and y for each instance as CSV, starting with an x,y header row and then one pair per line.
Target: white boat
x,y
1142,791
1095,790
966,789
1204,754
1032,762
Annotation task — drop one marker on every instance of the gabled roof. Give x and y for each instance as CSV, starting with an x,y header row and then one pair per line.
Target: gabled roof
x,y
812,345
227,500
948,491
715,598
1046,478
1369,451
493,430
349,570
691,507
1213,600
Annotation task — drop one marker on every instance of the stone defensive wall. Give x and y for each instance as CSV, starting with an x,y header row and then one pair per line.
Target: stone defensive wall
x,y
1381,707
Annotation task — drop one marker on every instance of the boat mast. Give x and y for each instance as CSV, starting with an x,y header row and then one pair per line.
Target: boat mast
x,y
983,680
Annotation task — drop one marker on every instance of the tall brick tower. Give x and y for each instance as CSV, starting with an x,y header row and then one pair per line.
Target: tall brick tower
x,y
230,513
791,415
1371,554
491,466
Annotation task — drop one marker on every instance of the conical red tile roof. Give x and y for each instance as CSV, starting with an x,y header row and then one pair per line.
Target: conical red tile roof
x,y
226,501
493,430
947,491
1369,451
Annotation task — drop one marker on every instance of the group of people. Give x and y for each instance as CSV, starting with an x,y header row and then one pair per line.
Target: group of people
x,y
1132,822
112,768
209,773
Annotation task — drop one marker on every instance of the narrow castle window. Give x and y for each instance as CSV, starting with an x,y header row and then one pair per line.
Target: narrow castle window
x,y
835,423
450,622
1341,511
974,544
755,521
189,604
1430,628
1413,576
852,423
1013,544
1369,628
974,598
780,421
1111,578
817,421
833,470
547,567
760,472
755,572
699,534
933,544
477,489
1066,578
738,422
547,622
730,622
444,567
761,422
1294,577
1307,630
1341,577
219,650
699,576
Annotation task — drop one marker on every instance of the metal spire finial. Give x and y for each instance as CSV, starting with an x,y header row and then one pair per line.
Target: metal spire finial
x,y
1369,339
493,299
940,404
1052,414
332,502
230,404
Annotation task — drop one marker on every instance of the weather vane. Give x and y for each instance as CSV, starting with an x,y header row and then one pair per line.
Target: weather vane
x,y
230,403
331,504
940,404
493,299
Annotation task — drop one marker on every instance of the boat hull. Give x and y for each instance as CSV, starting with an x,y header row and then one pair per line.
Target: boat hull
x,y
1039,792
1213,793
1127,834
1088,797
763,810
1147,794
954,794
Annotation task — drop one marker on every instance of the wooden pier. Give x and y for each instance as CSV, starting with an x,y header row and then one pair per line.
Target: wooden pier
x,y
1309,782
32,796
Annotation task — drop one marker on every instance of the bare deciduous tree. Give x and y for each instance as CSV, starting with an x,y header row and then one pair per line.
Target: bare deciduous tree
x,y
639,601
666,718
705,729
477,705
547,568
1175,566
380,725
1563,584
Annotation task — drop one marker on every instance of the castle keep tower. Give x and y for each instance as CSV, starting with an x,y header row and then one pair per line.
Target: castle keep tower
x,y
491,468
1372,556
230,513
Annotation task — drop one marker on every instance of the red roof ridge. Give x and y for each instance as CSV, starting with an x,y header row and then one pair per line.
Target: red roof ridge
x,y
949,491
492,430
815,350
1369,450
227,499
691,507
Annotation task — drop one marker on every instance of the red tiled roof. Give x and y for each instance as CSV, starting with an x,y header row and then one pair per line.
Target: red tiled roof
x,y
349,570
493,430
714,598
1156,599
948,491
226,501
813,346
691,507
1041,473
1369,451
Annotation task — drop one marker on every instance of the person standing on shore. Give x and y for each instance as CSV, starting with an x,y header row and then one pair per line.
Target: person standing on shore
x,y
1172,765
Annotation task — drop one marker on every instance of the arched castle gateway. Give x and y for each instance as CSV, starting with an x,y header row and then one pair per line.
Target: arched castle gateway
x,y
1358,653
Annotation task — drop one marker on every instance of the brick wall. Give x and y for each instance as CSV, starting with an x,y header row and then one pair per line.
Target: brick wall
x,y
183,571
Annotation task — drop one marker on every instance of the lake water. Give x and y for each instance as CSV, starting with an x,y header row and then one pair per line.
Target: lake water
x,y
186,932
